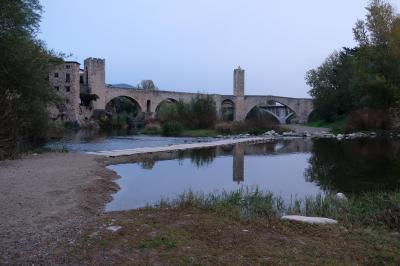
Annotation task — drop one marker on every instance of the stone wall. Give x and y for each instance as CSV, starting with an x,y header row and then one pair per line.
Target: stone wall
x,y
65,80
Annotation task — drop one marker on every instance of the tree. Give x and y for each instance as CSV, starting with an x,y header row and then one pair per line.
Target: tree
x,y
24,66
147,85
366,77
331,85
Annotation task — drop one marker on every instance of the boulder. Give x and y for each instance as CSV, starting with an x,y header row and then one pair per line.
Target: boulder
x,y
309,220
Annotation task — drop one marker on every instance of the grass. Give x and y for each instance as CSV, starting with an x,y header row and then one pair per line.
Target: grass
x,y
206,230
157,242
378,209
337,126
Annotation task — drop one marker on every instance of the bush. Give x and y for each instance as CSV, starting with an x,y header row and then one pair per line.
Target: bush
x,y
368,119
203,111
239,127
172,128
168,112
223,127
256,131
152,128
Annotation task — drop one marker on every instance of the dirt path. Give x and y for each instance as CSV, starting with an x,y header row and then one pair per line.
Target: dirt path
x,y
46,199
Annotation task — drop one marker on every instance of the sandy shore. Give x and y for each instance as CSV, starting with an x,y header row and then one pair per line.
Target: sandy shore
x,y
47,199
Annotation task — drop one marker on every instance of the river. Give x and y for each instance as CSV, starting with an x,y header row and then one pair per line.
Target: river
x,y
288,167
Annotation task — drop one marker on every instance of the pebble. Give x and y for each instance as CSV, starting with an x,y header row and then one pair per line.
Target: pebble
x,y
114,228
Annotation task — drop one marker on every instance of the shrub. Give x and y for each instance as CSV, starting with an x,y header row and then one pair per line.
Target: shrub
x,y
368,119
256,131
223,127
153,128
239,127
172,128
203,111
168,112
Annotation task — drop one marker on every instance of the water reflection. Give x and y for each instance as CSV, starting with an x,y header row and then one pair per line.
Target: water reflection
x,y
203,157
277,166
290,168
355,165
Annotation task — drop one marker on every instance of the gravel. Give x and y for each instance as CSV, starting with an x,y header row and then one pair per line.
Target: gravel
x,y
45,201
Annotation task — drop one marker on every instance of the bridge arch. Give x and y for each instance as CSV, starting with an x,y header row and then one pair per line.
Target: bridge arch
x,y
276,109
227,109
162,103
116,104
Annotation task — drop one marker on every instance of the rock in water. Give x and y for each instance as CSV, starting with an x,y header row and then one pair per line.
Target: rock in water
x,y
309,220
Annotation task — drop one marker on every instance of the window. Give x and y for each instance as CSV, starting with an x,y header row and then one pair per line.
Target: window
x,y
67,88
67,100
67,78
67,66
57,88
56,75
81,79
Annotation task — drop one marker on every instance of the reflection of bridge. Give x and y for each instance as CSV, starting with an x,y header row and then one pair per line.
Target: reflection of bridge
x,y
273,148
201,157
69,81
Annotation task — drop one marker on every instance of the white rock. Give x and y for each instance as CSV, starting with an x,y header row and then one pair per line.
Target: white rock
x,y
309,220
114,228
341,196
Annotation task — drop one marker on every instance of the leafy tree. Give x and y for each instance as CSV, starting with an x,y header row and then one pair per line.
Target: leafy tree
x,y
365,77
331,85
204,111
24,66
147,85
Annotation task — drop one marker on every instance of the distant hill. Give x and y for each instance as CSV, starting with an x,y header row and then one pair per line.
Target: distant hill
x,y
123,85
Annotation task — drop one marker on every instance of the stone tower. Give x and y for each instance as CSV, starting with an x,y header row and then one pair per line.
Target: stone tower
x,y
238,92
94,78
65,80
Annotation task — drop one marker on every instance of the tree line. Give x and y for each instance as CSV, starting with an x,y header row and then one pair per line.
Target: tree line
x,y
362,82
25,62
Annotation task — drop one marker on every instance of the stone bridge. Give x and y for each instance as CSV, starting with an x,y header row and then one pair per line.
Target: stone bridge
x,y
149,102
91,80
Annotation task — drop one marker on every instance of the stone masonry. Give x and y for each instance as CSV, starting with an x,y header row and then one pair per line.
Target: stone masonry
x,y
69,81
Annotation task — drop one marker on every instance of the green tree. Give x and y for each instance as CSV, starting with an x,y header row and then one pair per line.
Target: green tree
x,y
331,85
365,77
24,66
203,111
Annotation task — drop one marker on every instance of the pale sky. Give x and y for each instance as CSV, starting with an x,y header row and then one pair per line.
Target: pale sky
x,y
188,45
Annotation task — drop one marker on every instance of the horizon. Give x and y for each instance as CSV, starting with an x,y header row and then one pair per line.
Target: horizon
x,y
194,47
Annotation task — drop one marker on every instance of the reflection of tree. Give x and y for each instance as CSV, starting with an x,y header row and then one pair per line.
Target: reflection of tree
x,y
356,165
202,157
147,163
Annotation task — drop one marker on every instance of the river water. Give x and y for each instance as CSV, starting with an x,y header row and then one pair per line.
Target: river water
x,y
290,167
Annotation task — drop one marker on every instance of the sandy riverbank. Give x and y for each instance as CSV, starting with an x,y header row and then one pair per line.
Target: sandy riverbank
x,y
47,199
